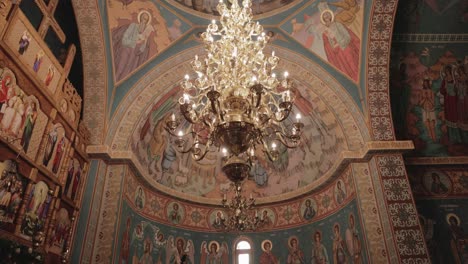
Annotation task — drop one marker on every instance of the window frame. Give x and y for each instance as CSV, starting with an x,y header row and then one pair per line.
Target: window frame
x,y
237,252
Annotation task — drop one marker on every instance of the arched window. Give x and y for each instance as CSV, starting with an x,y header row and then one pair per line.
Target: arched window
x,y
243,252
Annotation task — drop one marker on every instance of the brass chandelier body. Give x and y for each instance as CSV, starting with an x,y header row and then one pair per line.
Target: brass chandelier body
x,y
236,104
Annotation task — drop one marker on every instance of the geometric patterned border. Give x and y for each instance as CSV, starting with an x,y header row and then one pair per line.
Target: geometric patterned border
x,y
94,67
381,24
404,221
430,38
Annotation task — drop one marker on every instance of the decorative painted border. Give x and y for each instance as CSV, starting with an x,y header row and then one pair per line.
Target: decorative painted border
x,y
156,203
403,216
378,61
430,38
94,67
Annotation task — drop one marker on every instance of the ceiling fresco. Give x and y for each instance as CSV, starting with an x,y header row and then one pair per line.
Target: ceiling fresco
x,y
209,6
323,141
332,30
150,43
139,31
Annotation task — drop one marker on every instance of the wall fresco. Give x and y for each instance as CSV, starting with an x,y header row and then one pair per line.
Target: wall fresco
x,y
165,210
428,89
332,30
440,194
323,141
139,30
337,238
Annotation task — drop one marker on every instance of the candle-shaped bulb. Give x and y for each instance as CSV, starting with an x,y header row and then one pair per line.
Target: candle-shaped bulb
x,y
180,133
224,151
286,74
224,197
254,78
273,146
298,117
273,53
213,21
186,98
273,75
187,77
172,117
251,196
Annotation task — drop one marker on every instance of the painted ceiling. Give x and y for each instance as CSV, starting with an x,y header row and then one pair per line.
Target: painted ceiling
x,y
150,45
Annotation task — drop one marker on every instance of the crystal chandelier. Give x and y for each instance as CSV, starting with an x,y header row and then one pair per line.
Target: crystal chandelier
x,y
240,214
236,104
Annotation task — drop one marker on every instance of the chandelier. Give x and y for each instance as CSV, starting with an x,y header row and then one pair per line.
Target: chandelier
x,y
240,214
236,104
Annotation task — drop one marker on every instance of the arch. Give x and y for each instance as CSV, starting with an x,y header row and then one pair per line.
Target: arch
x,y
243,250
94,68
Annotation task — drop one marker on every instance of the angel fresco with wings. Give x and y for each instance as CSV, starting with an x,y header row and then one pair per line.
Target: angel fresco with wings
x,y
213,253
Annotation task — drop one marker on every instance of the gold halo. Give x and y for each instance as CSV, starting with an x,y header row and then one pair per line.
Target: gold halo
x,y
211,243
291,238
263,244
327,11
144,12
447,218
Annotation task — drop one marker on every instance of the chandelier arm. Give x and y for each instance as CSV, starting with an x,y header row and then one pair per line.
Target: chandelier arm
x,y
281,137
204,152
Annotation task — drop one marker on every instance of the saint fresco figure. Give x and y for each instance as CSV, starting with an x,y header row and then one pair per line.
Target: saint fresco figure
x,y
309,210
38,61
340,192
218,222
266,219
60,232
458,239
13,113
49,76
29,122
341,45
437,186
180,252
213,253
125,245
267,256
447,89
295,255
339,254
50,145
58,155
427,103
24,42
319,252
353,242
12,188
131,44
174,214
139,198
36,210
6,92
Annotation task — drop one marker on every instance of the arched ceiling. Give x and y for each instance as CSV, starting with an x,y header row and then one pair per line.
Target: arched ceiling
x,y
332,91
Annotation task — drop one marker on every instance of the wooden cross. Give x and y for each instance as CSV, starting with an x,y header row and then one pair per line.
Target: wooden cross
x,y
48,11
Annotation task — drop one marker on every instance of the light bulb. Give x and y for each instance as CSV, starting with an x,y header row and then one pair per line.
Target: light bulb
x,y
180,133
273,146
286,74
298,116
187,77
